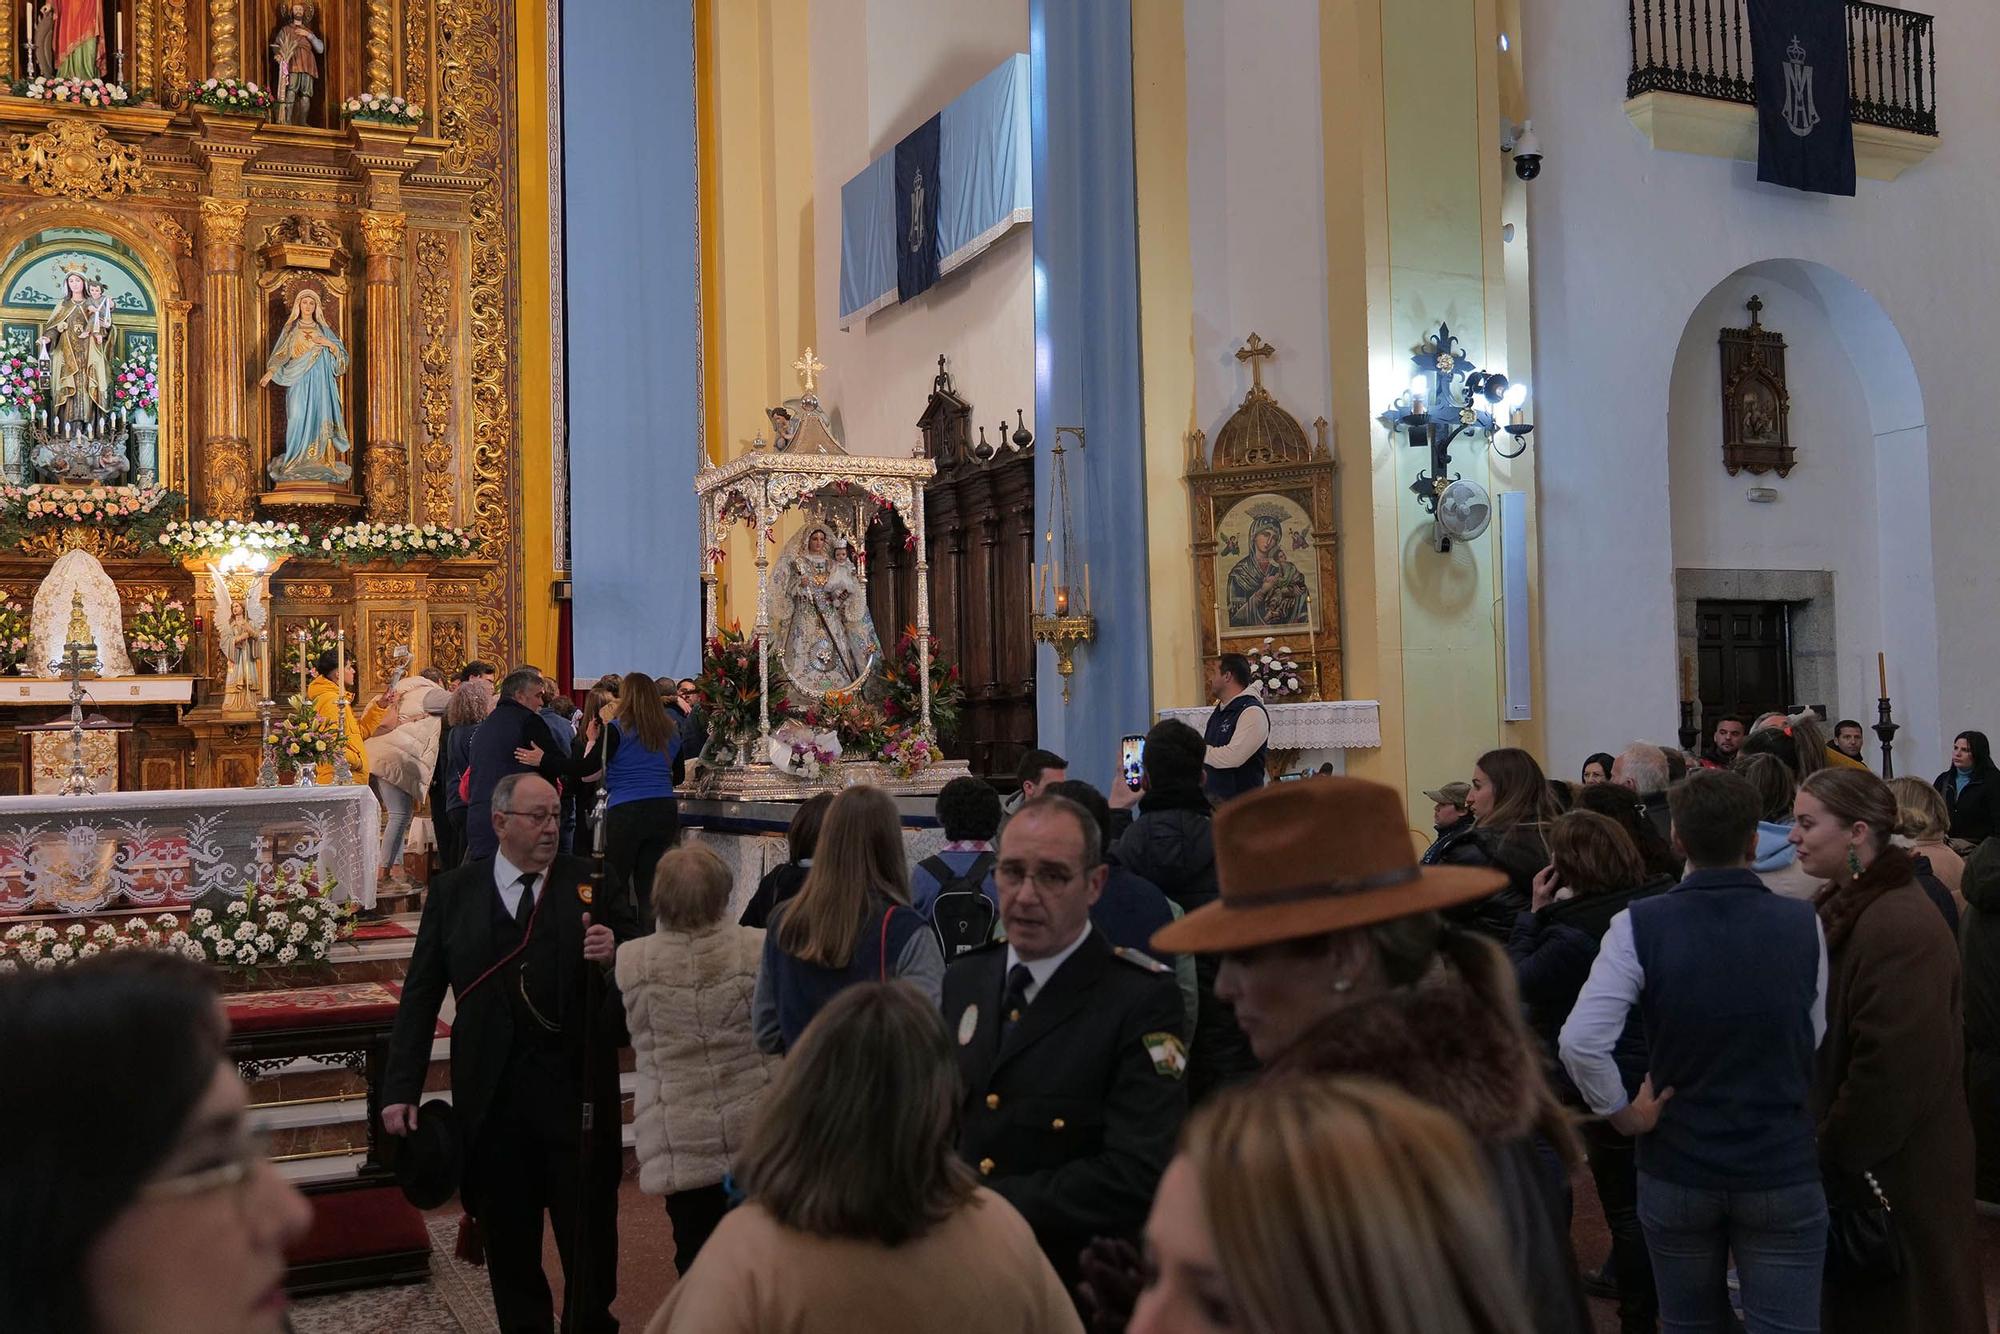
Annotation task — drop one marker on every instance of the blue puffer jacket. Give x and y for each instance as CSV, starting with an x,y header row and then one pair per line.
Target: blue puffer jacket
x,y
1553,951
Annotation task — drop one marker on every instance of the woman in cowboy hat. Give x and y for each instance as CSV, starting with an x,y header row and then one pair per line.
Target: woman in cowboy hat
x,y
1326,924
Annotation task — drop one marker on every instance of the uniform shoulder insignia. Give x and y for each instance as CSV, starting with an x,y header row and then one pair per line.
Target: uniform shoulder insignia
x,y
1140,959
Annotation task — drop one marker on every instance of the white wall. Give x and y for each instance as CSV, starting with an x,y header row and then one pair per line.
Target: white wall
x,y
1256,204
880,68
1829,512
1627,242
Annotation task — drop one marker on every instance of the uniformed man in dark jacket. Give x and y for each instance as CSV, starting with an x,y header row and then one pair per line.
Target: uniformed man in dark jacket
x,y
1071,1050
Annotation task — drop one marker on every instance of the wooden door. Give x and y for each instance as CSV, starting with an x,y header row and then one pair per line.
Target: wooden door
x,y
1744,652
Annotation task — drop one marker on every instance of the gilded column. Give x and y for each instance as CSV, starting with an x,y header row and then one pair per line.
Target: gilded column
x,y
224,60
379,48
386,458
225,469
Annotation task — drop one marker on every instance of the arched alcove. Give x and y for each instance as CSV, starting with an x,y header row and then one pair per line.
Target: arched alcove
x,y
1840,548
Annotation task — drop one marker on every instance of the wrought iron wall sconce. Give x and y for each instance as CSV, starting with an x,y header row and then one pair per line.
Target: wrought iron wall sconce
x,y
1062,615
1448,397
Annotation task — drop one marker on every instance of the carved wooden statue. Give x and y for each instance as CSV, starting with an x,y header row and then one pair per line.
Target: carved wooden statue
x,y
296,48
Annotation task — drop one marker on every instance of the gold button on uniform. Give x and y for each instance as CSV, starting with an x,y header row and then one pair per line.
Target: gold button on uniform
x,y
992,1102
1056,1124
986,1167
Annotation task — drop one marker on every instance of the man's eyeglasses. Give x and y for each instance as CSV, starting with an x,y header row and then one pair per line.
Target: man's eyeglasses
x,y
535,817
1047,875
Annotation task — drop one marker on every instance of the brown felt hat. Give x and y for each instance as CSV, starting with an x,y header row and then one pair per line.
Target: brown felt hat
x,y
1297,860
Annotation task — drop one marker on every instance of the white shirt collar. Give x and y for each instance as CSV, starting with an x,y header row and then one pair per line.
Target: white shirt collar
x,y
507,879
1041,970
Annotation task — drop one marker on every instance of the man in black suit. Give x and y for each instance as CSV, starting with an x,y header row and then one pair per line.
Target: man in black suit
x,y
513,739
515,938
1071,1049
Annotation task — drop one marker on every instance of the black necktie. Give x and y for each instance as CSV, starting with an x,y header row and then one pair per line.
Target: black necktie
x,y
1019,979
524,911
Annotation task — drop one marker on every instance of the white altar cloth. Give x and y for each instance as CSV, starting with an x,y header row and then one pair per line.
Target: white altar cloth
x,y
167,849
98,691
1320,729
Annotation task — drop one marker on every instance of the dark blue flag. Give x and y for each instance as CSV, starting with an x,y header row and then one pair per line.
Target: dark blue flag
x,y
1805,137
917,210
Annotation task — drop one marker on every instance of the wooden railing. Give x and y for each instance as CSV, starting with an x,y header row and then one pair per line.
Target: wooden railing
x,y
1702,48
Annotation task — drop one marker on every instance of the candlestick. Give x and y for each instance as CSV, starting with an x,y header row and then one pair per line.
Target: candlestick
x,y
1062,600
118,31
1312,651
302,664
340,659
1882,676
1687,678
1086,585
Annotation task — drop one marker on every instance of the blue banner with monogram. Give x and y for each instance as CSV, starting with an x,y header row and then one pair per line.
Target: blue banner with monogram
x,y
917,191
976,159
1805,136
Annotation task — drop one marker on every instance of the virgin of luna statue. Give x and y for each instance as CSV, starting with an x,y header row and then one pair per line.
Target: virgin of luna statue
x,y
307,362
827,640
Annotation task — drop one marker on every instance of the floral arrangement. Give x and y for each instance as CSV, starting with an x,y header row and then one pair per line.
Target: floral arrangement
x,y
13,634
903,674
1274,671
292,920
301,736
140,512
211,537
908,753
729,688
239,95
161,629
858,723
135,385
44,947
320,638
22,377
397,542
383,110
75,92
800,749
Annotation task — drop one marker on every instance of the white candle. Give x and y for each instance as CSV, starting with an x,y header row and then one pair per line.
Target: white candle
x,y
340,658
118,29
302,662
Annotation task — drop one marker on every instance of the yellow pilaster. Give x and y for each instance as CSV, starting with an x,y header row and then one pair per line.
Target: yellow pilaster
x,y
541,560
1166,332
757,230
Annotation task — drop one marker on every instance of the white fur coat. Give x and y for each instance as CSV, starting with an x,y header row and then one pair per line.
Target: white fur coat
x,y
700,1075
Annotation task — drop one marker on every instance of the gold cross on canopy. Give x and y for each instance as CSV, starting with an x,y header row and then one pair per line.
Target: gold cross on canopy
x,y
1254,352
809,367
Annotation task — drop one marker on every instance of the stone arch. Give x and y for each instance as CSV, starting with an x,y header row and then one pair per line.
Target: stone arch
x,y
1846,540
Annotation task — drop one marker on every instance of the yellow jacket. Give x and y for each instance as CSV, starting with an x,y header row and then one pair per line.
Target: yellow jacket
x,y
324,696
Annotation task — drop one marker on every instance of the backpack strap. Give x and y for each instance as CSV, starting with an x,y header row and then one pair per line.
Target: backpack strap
x,y
883,963
938,870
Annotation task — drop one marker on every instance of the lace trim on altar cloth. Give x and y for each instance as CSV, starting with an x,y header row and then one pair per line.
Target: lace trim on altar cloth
x,y
169,849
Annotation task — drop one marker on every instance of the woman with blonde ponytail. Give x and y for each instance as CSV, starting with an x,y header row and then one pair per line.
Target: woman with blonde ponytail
x,y
1326,1204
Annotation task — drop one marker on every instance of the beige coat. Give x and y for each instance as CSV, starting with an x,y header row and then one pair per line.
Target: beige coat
x,y
700,1075
405,749
978,1272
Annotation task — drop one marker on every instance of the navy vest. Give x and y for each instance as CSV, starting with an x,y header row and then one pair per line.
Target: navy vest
x,y
1730,970
803,988
1222,784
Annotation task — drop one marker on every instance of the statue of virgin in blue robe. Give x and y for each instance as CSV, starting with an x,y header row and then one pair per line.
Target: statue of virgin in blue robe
x,y
307,362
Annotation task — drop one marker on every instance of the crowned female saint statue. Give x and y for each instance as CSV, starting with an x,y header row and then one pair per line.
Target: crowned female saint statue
x,y
307,362
76,342
827,639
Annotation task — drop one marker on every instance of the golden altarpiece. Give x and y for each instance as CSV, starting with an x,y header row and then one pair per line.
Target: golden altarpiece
x,y
196,229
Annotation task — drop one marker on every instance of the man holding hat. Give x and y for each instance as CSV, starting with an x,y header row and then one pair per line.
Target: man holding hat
x,y
1071,1049
1327,925
517,940
1450,816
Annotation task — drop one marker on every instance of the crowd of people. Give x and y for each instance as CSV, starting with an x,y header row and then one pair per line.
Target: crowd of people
x,y
1186,1055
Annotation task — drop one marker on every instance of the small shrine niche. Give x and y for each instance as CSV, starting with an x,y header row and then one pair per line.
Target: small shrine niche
x,y
1756,405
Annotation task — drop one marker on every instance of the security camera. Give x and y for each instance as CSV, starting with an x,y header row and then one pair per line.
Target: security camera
x,y
1527,152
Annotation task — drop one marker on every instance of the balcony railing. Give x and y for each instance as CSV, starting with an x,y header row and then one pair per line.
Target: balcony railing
x,y
1702,48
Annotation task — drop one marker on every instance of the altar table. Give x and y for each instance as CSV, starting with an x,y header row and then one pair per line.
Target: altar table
x,y
146,850
1316,732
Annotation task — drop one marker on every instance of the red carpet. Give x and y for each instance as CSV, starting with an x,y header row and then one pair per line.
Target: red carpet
x,y
381,931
